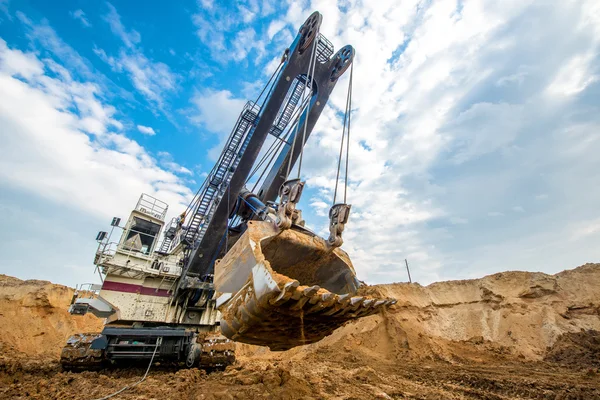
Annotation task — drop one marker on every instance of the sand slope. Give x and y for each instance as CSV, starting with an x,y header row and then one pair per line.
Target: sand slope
x,y
475,339
34,320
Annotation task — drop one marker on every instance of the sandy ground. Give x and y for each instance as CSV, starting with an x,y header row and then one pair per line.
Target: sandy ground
x,y
505,336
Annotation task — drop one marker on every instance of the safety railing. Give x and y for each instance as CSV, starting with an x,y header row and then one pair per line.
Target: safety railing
x,y
86,291
152,206
134,260
324,49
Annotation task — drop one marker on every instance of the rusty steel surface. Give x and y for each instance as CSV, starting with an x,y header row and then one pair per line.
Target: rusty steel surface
x,y
290,288
78,354
217,351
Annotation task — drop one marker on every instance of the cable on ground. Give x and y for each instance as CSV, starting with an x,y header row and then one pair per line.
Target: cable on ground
x,y
158,342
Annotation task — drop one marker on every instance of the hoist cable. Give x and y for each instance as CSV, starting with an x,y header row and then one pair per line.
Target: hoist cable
x,y
312,73
258,98
346,119
267,85
312,56
295,118
349,120
276,145
196,198
263,159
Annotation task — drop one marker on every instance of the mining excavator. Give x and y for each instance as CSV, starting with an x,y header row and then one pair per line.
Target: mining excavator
x,y
239,264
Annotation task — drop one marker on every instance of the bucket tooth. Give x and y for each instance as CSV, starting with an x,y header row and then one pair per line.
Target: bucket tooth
x,y
320,302
357,301
289,288
309,292
299,304
285,294
297,295
321,298
369,303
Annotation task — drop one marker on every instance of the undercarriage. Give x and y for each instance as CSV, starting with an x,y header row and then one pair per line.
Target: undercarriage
x,y
126,346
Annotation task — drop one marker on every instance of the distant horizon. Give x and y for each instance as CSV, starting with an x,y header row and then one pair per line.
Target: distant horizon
x,y
375,284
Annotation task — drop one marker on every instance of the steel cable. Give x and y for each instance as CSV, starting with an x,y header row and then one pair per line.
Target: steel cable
x,y
346,123
312,73
312,57
158,342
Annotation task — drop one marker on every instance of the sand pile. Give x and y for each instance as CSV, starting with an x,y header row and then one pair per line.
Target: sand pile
x,y
477,339
510,314
576,349
34,320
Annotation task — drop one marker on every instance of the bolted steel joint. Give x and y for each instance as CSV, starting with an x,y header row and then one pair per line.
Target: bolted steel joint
x,y
338,217
289,193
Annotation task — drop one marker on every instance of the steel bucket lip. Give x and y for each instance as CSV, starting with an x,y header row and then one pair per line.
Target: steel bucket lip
x,y
275,310
306,257
233,270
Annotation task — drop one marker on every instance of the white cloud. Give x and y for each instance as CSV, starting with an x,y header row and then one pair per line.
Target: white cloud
x,y
274,28
484,128
17,63
453,112
585,229
146,130
150,78
154,80
575,76
515,78
458,220
321,208
129,37
247,15
43,36
166,161
61,145
217,111
4,9
268,7
80,16
208,4
216,26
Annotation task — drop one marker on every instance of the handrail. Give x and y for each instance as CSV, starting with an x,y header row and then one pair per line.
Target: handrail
x,y
152,206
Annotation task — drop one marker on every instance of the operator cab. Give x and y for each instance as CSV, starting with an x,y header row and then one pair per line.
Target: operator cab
x,y
142,229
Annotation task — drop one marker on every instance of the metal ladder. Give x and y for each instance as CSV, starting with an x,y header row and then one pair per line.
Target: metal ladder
x,y
168,236
218,180
285,114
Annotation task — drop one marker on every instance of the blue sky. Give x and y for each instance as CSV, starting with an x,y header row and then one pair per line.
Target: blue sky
x,y
475,126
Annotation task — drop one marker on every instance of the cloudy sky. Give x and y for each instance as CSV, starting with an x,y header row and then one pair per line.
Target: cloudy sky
x,y
475,136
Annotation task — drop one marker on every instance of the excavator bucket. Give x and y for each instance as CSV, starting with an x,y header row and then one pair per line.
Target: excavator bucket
x,y
289,288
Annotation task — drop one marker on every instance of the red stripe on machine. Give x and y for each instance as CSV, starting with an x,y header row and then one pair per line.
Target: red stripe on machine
x,y
130,288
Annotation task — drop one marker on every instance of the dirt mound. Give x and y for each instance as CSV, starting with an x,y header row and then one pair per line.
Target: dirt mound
x,y
505,315
34,320
476,339
576,349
